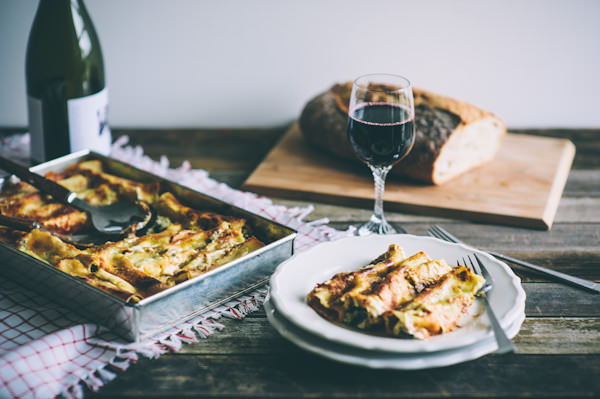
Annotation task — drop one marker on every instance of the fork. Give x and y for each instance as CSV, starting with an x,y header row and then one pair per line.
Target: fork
x,y
438,232
505,345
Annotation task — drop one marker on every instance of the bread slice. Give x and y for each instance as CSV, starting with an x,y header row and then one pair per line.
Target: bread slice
x,y
451,138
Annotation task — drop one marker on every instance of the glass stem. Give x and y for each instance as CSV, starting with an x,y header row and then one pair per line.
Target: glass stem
x,y
379,175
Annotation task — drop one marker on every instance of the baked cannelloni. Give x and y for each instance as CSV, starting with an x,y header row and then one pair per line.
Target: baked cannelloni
x,y
402,296
182,243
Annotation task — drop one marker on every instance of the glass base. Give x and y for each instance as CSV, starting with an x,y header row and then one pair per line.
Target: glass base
x,y
376,226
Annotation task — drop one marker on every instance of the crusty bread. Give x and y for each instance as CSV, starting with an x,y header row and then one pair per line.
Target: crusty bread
x,y
452,136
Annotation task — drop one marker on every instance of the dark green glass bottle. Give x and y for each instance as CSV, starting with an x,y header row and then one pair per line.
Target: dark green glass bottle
x,y
67,97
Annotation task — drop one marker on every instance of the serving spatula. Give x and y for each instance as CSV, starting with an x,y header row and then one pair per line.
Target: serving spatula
x,y
119,218
80,241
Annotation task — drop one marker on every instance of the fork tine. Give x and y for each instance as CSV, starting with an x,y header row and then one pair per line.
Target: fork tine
x,y
475,266
483,270
433,232
477,270
448,236
436,232
469,264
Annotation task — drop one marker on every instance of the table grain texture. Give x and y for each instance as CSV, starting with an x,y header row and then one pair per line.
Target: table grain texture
x,y
558,346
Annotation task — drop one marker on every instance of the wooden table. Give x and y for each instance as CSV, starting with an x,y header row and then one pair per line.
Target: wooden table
x,y
558,346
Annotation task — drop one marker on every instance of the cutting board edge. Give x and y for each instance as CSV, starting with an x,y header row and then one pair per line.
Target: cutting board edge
x,y
560,181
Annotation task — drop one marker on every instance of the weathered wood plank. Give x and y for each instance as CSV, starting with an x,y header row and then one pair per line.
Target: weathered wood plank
x,y
559,300
579,210
307,375
538,336
559,336
210,149
582,183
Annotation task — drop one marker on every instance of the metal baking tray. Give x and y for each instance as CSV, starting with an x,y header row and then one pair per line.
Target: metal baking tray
x,y
166,309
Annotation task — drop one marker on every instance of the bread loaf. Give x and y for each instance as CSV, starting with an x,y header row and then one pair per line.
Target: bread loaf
x,y
451,138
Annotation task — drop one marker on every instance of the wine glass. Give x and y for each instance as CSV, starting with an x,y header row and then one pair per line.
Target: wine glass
x,y
381,131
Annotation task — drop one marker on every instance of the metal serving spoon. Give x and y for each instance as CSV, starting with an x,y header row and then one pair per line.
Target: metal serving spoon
x,y
81,241
115,219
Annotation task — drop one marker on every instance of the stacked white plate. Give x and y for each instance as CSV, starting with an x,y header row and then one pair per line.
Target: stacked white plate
x,y
289,313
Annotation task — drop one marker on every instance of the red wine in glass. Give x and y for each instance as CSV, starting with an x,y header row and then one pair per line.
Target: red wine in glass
x,y
381,133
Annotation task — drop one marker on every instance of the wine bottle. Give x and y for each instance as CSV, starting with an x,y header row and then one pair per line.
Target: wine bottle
x,y
67,97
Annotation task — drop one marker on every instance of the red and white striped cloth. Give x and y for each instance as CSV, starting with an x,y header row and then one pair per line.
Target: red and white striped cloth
x,y
46,351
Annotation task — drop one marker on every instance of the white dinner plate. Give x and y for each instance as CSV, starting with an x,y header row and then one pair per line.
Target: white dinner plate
x,y
297,276
382,360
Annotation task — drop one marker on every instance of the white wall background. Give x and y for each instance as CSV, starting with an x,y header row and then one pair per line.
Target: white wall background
x,y
254,63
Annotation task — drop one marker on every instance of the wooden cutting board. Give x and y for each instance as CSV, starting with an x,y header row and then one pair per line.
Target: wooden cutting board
x,y
521,186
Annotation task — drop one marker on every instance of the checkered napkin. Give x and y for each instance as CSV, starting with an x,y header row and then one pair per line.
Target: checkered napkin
x,y
47,351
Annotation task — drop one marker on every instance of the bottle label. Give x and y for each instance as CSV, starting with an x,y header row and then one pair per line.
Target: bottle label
x,y
36,129
87,123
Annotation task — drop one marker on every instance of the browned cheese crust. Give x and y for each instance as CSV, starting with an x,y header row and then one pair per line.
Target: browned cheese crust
x,y
437,118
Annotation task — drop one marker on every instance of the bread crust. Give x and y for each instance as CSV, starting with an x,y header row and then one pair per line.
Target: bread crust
x,y
437,120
